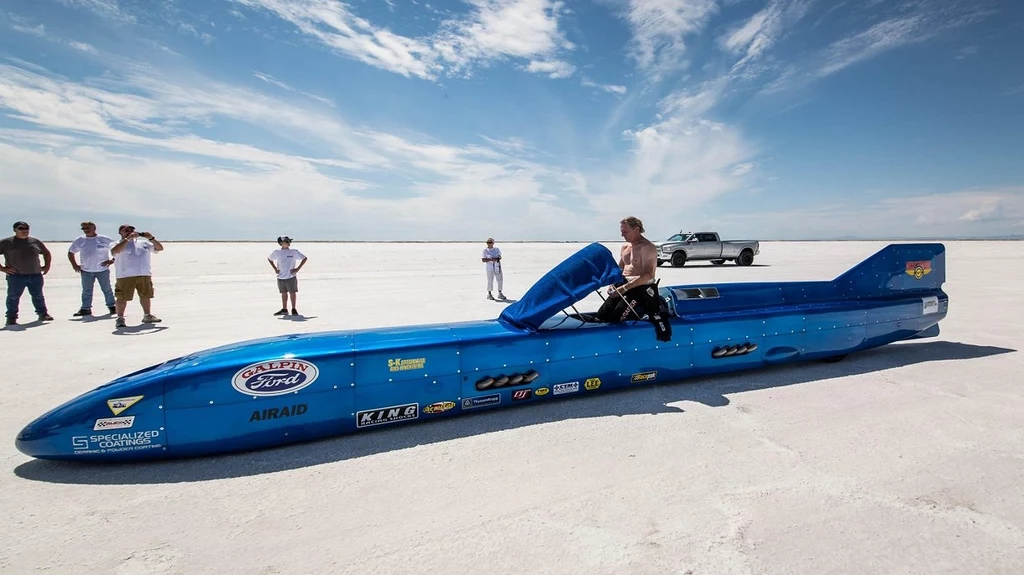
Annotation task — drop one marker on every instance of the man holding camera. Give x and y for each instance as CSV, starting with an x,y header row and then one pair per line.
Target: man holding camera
x,y
134,274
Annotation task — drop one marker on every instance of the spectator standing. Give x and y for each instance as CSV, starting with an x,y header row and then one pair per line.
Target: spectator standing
x,y
492,261
283,260
21,266
95,267
132,262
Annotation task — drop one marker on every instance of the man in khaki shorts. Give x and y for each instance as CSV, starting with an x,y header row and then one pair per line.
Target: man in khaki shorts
x,y
134,273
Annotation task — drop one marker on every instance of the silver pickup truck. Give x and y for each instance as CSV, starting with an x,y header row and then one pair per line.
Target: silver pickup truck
x,y
691,246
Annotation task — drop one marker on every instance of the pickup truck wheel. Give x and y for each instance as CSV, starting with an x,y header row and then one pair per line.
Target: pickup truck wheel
x,y
678,259
718,262
746,258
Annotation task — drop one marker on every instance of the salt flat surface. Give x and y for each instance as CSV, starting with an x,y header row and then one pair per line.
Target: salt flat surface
x,y
905,459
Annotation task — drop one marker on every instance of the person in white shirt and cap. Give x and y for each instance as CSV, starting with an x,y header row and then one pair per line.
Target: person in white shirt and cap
x,y
286,263
132,264
492,260
95,267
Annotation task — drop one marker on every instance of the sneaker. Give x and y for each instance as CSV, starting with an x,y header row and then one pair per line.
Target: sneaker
x,y
119,322
45,317
294,312
150,318
12,321
501,296
284,311
82,312
489,296
111,309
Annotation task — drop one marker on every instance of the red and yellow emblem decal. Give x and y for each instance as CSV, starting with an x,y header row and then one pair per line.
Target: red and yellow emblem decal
x,y
919,269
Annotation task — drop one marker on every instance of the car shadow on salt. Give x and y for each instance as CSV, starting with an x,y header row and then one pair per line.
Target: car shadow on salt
x,y
651,399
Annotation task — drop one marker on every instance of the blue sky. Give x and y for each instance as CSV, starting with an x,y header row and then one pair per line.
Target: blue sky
x,y
518,119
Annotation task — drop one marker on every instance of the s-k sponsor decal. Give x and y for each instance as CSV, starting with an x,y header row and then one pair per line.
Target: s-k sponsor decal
x,y
399,364
643,376
114,423
114,442
481,401
384,415
278,377
278,412
519,394
929,305
563,388
122,403
541,391
592,383
919,269
439,407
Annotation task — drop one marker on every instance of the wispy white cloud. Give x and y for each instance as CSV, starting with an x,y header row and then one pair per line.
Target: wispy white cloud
x,y
493,30
275,82
610,88
660,28
107,9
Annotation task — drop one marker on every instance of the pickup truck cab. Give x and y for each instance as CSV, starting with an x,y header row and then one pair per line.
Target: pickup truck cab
x,y
694,246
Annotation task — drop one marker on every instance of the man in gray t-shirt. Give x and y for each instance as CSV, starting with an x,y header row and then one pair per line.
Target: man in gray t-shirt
x,y
21,265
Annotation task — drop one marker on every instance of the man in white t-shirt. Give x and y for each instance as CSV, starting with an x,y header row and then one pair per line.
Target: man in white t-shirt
x,y
95,266
134,273
492,261
286,263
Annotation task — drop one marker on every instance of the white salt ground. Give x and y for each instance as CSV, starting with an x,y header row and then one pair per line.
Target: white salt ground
x,y
906,459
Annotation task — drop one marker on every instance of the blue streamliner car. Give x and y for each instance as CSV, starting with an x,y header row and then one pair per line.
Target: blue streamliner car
x,y
286,389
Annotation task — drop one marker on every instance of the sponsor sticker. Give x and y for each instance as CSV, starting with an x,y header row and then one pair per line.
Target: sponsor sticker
x,y
269,378
115,442
521,394
563,388
117,406
643,376
481,401
439,407
919,269
592,383
114,423
278,412
385,415
541,391
930,305
400,364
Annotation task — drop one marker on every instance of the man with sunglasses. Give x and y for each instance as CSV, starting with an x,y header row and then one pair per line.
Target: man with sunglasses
x,y
95,267
134,271
21,266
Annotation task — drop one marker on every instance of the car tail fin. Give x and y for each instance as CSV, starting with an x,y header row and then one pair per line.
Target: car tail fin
x,y
896,268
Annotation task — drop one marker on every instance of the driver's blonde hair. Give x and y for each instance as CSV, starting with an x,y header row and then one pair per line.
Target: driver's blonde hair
x,y
634,223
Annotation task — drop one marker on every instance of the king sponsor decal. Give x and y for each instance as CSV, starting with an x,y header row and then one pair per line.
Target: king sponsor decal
x,y
116,442
114,423
563,388
385,415
919,269
269,378
117,406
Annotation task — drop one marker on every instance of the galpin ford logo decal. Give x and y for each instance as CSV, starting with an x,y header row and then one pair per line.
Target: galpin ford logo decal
x,y
269,378
919,269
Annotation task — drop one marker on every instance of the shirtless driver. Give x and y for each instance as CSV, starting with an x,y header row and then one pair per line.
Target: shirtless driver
x,y
639,294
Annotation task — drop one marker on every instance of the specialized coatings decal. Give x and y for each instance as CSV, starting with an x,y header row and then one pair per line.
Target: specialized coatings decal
x,y
929,305
399,364
278,412
122,403
115,442
385,415
919,269
439,407
592,383
483,400
114,423
563,388
643,376
269,378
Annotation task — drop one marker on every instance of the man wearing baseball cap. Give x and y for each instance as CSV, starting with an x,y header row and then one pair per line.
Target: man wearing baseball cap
x,y
286,263
21,266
